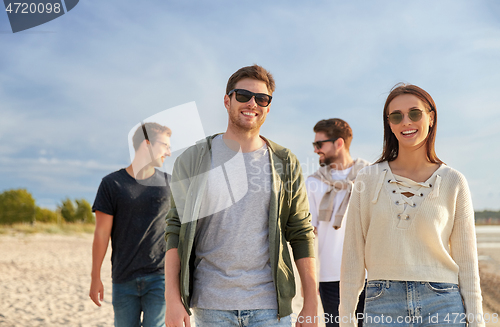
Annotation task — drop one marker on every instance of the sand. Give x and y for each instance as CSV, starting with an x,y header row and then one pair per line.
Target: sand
x,y
45,279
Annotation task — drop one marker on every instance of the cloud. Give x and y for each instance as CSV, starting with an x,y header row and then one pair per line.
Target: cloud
x,y
72,96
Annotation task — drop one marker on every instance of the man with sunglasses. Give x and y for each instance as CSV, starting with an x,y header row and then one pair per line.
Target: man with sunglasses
x,y
329,190
130,208
238,198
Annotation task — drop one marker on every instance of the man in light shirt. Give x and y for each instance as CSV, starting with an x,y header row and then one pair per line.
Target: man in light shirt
x,y
329,190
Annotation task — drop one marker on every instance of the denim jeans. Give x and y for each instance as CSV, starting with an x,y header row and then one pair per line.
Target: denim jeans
x,y
398,303
144,294
239,318
330,299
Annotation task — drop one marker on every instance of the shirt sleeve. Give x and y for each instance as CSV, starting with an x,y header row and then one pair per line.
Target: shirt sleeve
x,y
179,184
299,231
352,272
311,187
464,253
104,199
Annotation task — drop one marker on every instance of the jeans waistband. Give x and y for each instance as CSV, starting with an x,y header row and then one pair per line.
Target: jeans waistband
x,y
387,283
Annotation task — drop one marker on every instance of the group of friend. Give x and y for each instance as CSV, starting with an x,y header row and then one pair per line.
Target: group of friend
x,y
395,239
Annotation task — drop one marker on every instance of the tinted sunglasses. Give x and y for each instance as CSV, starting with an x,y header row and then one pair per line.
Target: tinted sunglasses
x,y
396,117
319,144
243,96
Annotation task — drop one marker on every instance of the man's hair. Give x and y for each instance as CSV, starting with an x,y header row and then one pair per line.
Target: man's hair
x,y
335,128
148,131
255,72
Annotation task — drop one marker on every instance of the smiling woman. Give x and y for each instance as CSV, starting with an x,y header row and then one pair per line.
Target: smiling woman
x,y
424,210
411,102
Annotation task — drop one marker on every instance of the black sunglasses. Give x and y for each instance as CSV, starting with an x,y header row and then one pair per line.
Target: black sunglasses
x,y
396,117
319,144
243,96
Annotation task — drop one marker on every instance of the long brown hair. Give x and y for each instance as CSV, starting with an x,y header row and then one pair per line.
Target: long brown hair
x,y
391,144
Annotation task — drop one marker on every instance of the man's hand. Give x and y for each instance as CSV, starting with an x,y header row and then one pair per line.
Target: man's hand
x,y
176,315
102,233
308,317
96,291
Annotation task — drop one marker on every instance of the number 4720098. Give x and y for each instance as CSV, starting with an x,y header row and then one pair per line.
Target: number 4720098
x,y
462,318
32,8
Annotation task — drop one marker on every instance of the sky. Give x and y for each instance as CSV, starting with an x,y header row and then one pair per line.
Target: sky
x,y
72,89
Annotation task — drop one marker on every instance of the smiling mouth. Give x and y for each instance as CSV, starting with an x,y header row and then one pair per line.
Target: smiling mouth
x,y
410,132
249,113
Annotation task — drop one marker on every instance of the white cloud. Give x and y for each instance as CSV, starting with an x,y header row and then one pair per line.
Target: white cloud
x,y
76,93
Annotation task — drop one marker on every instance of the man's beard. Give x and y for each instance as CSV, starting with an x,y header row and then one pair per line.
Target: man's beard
x,y
234,117
327,160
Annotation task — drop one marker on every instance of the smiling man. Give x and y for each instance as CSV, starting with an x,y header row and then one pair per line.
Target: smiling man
x,y
329,190
130,207
238,198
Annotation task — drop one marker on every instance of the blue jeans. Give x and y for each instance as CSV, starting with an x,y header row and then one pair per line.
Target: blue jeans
x,y
398,303
330,299
144,294
239,318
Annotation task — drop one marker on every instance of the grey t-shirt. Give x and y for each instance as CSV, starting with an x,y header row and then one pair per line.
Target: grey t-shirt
x,y
232,264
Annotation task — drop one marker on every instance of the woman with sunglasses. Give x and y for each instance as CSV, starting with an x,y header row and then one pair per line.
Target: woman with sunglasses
x,y
410,224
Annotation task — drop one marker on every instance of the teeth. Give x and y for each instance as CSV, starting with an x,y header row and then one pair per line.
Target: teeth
x,y
409,132
246,113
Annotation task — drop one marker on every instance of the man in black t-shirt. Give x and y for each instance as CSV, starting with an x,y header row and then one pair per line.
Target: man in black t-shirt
x,y
130,208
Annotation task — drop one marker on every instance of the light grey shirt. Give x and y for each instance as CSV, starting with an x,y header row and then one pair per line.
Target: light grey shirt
x,y
232,264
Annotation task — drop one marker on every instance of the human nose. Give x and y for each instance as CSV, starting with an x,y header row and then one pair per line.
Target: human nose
x,y
251,103
406,119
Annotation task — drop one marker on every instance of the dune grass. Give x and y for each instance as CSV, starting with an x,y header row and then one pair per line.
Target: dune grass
x,y
48,228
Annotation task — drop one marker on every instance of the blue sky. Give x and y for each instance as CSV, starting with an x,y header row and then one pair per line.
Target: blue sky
x,y
71,89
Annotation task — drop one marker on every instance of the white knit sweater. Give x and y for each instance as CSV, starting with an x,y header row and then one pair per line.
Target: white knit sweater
x,y
429,238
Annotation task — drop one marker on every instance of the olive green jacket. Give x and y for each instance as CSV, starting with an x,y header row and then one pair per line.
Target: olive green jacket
x,y
289,217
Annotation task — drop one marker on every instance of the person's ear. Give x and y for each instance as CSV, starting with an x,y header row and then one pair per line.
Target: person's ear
x,y
339,143
227,101
145,144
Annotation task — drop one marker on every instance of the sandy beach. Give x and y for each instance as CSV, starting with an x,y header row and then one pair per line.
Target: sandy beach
x,y
45,278
44,281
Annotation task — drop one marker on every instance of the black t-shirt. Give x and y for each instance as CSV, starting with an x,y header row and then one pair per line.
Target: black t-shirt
x,y
139,210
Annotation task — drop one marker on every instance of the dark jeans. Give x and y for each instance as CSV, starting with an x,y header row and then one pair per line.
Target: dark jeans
x,y
330,298
144,294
